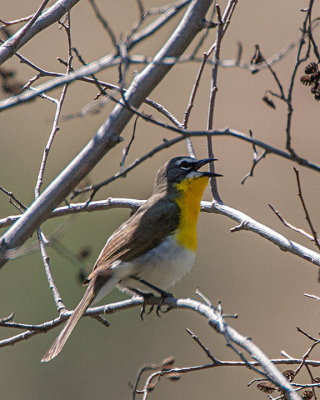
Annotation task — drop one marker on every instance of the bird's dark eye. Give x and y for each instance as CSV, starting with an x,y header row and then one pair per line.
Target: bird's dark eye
x,y
185,165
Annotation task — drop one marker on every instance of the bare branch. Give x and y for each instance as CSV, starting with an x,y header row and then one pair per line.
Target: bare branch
x,y
83,207
202,346
12,44
12,199
287,224
50,16
314,233
42,243
104,24
247,223
215,320
256,160
107,135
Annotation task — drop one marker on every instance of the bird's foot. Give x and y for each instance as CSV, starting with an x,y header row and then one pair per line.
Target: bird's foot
x,y
146,296
146,301
162,298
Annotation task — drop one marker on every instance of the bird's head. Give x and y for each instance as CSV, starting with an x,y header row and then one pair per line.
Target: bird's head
x,y
179,169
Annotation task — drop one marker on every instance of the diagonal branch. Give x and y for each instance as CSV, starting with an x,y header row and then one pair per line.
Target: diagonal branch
x,y
245,222
108,135
213,316
50,16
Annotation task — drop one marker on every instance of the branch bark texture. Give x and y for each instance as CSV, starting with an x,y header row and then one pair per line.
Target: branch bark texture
x,y
49,17
107,135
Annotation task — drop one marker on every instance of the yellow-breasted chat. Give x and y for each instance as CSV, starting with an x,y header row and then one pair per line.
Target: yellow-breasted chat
x,y
155,246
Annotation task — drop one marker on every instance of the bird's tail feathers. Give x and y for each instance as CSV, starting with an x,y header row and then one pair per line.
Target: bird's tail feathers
x,y
60,341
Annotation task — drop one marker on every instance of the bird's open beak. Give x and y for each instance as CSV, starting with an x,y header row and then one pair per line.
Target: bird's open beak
x,y
203,162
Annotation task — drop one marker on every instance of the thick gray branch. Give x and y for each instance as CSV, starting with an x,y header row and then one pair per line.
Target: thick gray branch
x,y
107,135
213,316
245,222
75,208
248,223
50,16
216,321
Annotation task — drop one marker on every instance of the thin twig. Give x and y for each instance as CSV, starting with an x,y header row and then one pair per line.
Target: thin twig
x,y
112,60
104,23
144,368
21,207
191,102
307,215
195,87
55,292
96,81
223,23
300,60
126,150
15,21
165,16
307,353
202,346
46,261
255,161
287,224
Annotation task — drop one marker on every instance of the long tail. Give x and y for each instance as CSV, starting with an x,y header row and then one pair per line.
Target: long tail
x,y
60,341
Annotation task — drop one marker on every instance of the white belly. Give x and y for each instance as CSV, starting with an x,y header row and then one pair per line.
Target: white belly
x,y
162,266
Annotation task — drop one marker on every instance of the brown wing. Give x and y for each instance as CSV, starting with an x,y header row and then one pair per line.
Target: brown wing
x,y
153,221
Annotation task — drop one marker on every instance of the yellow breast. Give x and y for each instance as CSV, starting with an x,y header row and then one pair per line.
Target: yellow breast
x,y
191,191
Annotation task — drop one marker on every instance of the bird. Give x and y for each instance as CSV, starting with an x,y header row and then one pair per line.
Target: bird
x,y
155,247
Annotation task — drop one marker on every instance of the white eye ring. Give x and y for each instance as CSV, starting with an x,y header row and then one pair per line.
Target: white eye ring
x,y
184,164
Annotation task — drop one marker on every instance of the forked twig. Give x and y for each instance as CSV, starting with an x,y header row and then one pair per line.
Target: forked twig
x,y
287,224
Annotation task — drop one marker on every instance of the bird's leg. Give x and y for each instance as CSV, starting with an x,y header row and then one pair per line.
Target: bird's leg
x,y
145,296
163,295
158,309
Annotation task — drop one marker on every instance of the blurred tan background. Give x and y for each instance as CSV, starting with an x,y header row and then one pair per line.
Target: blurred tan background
x,y
249,275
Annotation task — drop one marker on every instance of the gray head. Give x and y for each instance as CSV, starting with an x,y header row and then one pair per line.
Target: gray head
x,y
179,168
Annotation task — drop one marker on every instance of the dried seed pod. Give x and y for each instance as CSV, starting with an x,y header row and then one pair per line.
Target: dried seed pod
x,y
311,68
317,96
289,374
306,80
266,387
307,394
